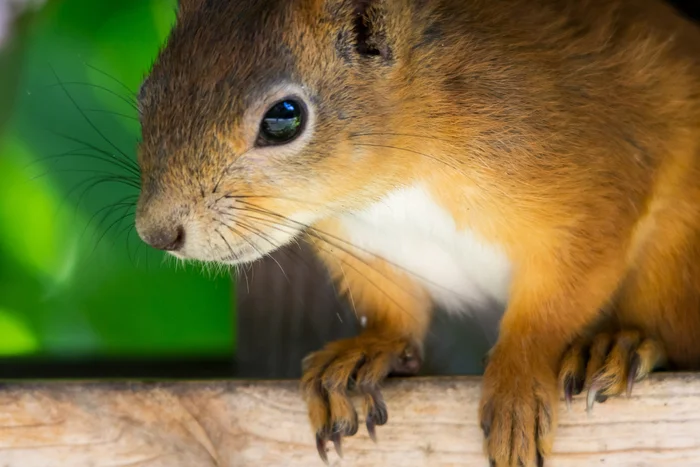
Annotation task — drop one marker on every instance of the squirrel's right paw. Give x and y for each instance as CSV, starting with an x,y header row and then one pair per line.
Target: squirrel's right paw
x,y
359,363
608,365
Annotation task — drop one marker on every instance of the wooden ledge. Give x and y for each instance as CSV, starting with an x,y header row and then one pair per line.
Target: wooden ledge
x,y
432,422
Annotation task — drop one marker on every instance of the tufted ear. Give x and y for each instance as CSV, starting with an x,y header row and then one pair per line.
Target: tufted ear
x,y
370,28
365,27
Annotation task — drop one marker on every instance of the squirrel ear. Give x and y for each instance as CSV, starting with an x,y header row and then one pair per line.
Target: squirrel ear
x,y
363,28
369,28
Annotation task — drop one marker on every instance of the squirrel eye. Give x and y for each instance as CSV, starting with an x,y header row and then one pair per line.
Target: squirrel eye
x,y
282,123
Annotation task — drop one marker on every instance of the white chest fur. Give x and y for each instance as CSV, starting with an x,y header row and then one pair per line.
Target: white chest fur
x,y
410,230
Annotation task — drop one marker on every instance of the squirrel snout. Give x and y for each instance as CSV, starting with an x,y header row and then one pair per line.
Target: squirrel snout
x,y
165,233
160,222
164,237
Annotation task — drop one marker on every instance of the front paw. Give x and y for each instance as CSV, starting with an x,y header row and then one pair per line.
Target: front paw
x,y
518,411
609,364
360,363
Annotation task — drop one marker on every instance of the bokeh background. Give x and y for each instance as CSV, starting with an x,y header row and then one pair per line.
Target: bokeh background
x,y
75,280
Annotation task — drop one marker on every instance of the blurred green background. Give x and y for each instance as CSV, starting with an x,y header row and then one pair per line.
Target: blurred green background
x,y
75,280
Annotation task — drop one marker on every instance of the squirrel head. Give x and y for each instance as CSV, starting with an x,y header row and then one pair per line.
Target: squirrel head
x,y
262,117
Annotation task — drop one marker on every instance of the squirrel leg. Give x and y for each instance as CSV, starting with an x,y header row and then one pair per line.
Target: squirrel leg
x,y
396,314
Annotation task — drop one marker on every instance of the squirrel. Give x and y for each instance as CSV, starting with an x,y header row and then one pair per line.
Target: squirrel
x,y
541,153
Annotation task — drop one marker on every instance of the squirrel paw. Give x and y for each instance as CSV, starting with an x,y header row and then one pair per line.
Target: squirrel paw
x,y
517,411
608,364
359,363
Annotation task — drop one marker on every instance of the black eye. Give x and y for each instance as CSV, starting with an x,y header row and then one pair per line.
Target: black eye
x,y
283,122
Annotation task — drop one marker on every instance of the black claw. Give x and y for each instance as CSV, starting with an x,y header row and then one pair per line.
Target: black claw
x,y
337,442
573,386
592,396
321,446
371,429
486,418
352,428
569,391
540,460
635,363
595,393
380,414
486,429
378,411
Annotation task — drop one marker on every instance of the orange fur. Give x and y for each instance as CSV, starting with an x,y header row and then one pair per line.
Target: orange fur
x,y
566,132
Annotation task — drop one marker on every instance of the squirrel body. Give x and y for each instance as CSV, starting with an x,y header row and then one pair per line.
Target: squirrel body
x,y
542,153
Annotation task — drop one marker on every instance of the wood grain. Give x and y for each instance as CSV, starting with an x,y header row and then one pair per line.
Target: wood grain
x,y
432,422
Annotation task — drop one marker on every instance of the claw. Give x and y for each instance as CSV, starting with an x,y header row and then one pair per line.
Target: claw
x,y
635,363
337,443
380,414
321,446
592,395
486,421
377,413
540,460
371,429
572,387
569,391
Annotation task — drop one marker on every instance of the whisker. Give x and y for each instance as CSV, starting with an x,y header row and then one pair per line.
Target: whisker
x,y
233,255
310,230
274,197
113,78
259,233
434,158
112,112
130,102
259,252
122,202
128,229
106,176
85,117
242,237
121,156
109,227
404,135
352,299
351,254
115,162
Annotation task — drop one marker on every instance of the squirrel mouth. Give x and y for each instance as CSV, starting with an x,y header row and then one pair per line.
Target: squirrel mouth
x,y
245,254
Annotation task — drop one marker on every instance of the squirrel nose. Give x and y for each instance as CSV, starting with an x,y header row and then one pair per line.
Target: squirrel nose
x,y
166,238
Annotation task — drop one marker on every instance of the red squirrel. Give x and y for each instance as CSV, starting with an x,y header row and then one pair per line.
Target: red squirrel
x,y
541,153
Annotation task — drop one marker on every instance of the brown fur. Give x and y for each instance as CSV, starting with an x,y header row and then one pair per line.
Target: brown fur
x,y
565,131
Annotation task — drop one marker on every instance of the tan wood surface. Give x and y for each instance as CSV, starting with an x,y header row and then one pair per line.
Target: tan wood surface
x,y
432,422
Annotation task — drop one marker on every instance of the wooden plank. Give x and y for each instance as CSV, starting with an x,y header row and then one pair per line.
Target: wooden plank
x,y
432,422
